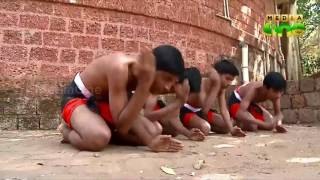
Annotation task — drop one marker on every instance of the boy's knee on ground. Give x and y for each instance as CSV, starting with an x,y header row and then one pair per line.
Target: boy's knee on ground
x,y
205,128
98,140
224,129
158,128
219,126
221,130
167,130
155,129
251,127
268,127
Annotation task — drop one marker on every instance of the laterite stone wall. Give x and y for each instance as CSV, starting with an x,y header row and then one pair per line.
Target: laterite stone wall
x,y
44,43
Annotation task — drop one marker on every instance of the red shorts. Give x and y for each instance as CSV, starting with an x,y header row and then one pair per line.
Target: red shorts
x,y
253,109
186,114
187,117
160,104
156,107
71,105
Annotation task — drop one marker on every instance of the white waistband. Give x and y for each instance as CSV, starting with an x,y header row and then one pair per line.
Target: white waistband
x,y
82,87
192,108
237,95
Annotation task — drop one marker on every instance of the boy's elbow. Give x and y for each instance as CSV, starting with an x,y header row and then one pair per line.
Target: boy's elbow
x,y
225,114
240,113
123,131
147,114
121,128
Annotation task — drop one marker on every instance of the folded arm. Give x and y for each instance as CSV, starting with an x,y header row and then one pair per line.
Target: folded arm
x,y
214,90
167,111
243,113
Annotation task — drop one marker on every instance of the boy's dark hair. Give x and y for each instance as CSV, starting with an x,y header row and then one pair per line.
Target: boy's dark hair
x,y
225,66
275,81
169,59
194,77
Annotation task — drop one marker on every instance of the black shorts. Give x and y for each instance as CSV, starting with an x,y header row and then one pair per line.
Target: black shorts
x,y
72,91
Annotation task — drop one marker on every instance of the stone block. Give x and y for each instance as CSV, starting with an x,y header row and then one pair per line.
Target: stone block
x,y
317,82
9,105
28,122
307,85
290,116
312,99
26,105
292,87
48,122
298,101
307,115
20,105
285,102
48,106
8,122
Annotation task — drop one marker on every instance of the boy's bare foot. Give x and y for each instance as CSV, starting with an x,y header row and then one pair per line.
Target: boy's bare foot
x,y
236,131
281,129
165,143
196,135
64,130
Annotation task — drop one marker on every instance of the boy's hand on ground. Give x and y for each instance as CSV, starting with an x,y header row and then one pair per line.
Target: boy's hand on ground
x,y
196,135
236,131
165,143
281,129
182,91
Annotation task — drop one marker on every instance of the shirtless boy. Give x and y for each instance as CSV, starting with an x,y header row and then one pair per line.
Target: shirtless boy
x,y
168,115
248,114
96,107
197,112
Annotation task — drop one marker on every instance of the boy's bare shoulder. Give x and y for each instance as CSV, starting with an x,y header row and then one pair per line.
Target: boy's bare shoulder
x,y
115,58
213,74
254,85
251,88
116,61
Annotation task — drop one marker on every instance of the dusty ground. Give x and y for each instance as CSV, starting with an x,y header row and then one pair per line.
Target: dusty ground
x,y
39,155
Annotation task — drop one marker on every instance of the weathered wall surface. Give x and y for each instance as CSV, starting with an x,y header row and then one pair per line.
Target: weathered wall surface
x,y
44,43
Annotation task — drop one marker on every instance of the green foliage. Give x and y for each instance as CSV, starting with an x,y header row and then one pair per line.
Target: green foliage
x,y
310,65
310,9
310,59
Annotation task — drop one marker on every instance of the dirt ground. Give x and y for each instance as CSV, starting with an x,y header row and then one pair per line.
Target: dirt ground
x,y
263,155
